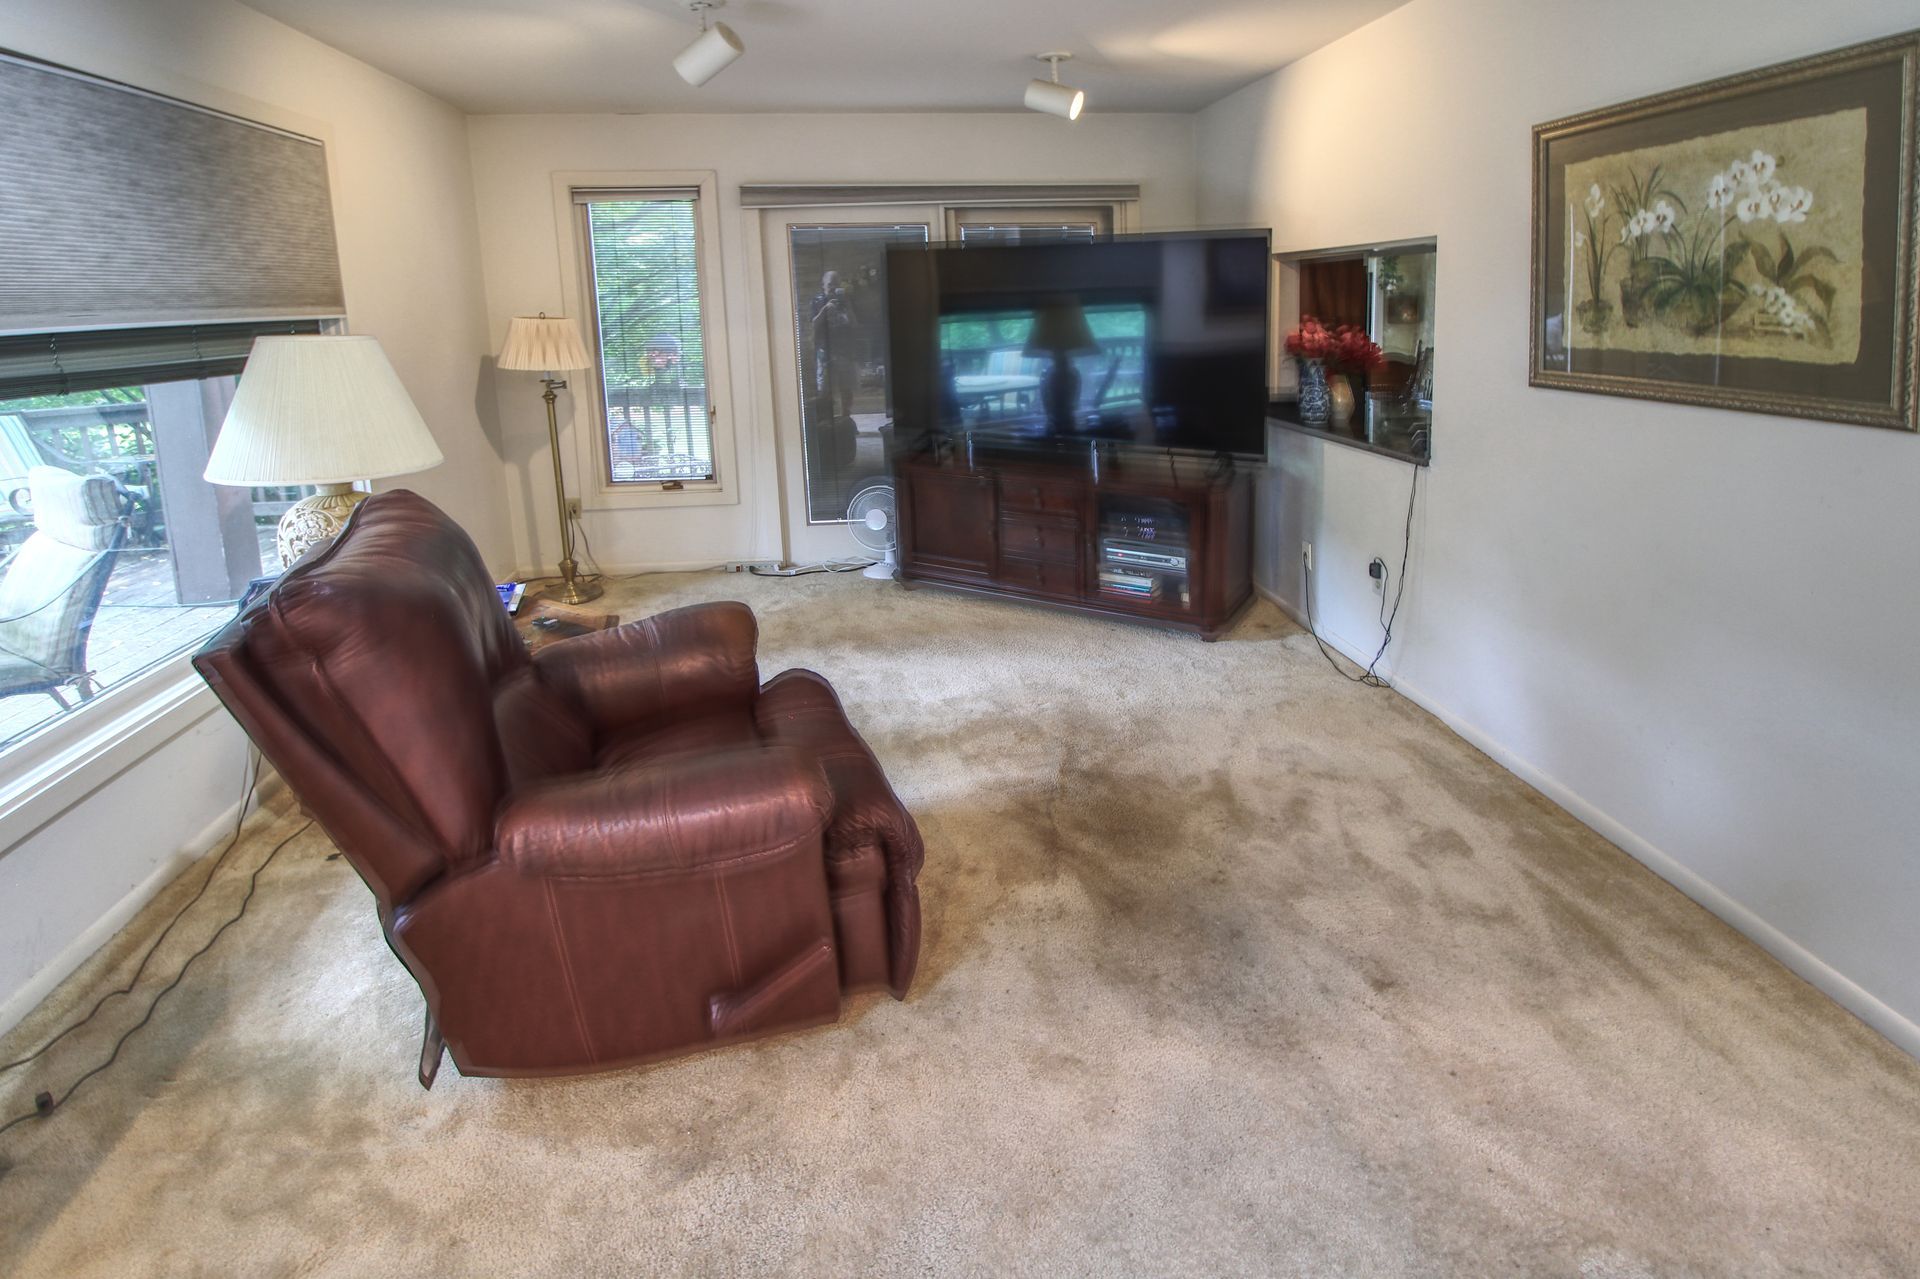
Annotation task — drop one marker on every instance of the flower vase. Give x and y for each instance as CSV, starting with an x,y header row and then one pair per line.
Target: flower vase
x,y
1340,398
1314,405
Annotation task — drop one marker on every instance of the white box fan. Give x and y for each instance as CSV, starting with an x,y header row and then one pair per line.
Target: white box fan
x,y
870,516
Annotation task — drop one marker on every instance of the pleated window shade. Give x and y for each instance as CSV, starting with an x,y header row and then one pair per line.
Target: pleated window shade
x,y
120,209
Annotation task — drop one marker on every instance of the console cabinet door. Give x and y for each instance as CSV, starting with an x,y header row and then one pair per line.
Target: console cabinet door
x,y
948,525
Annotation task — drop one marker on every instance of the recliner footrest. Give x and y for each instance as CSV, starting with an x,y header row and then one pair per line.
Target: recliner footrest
x,y
804,988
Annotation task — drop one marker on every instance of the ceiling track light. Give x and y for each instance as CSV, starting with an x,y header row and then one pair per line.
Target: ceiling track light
x,y
712,53
1050,95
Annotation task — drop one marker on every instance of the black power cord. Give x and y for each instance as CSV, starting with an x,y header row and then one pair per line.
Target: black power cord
x,y
1369,677
593,561
251,777
46,1103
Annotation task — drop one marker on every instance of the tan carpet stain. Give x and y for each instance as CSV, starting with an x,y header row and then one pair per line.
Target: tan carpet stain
x,y
1230,967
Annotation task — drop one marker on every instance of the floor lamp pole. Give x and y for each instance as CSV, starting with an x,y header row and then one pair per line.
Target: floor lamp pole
x,y
571,589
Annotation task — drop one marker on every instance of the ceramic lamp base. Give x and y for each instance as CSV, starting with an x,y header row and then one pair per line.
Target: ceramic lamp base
x,y
316,519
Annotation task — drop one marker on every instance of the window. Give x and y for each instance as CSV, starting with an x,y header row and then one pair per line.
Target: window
x,y
1388,292
644,256
115,554
145,243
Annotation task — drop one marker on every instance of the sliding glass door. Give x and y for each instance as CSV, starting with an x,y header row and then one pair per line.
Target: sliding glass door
x,y
826,275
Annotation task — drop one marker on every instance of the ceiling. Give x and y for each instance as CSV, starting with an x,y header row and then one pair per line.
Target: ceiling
x,y
488,56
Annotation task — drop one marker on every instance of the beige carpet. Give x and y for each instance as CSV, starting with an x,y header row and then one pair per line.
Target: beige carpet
x,y
1230,967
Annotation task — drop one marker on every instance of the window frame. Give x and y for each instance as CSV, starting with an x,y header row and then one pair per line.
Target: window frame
x,y
70,757
593,481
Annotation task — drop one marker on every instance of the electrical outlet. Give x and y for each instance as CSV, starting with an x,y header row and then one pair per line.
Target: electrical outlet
x,y
573,508
1306,555
1377,570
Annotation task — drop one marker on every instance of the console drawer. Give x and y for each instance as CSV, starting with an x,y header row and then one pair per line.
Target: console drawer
x,y
1043,577
1043,539
1020,494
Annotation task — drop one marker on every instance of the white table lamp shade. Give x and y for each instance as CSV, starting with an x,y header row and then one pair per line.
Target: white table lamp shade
x,y
319,410
544,343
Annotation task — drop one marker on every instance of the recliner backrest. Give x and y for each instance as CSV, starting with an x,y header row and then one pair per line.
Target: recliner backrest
x,y
371,666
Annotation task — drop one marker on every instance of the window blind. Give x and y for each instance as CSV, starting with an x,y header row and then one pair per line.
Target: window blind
x,y
774,195
601,195
60,363
987,233
123,208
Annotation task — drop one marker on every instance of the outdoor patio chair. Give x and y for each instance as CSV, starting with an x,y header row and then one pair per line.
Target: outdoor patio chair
x,y
18,455
52,588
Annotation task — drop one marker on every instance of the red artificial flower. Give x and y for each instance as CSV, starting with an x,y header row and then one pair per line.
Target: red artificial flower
x,y
1345,349
1311,341
1353,351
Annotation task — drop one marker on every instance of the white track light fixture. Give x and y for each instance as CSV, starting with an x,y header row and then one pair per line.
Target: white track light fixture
x,y
1050,95
712,53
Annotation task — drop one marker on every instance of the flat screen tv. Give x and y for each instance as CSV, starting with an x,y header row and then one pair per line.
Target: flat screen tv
x,y
1151,341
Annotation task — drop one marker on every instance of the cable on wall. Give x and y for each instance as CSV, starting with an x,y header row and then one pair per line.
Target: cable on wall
x,y
1370,676
806,570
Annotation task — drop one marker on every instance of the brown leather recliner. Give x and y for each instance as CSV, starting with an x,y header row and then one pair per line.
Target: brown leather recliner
x,y
623,848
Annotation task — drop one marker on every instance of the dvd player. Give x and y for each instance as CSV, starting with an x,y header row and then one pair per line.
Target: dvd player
x,y
1126,553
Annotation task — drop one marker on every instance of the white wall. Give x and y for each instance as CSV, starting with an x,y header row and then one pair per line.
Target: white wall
x,y
67,887
403,205
514,158
402,195
1695,628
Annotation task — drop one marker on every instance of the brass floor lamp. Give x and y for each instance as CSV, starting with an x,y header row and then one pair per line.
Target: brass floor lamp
x,y
549,344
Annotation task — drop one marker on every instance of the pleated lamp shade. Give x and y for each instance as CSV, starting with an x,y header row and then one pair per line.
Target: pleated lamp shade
x,y
1060,328
319,410
544,343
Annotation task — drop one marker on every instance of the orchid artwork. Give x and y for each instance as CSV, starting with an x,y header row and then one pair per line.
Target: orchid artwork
x,y
1745,243
1711,246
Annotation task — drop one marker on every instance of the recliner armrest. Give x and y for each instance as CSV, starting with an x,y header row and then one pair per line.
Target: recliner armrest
x,y
685,814
689,658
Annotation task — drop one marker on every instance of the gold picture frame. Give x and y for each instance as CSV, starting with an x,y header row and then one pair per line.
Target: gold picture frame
x,y
1747,243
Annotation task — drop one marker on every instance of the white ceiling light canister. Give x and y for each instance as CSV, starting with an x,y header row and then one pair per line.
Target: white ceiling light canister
x,y
1050,95
712,53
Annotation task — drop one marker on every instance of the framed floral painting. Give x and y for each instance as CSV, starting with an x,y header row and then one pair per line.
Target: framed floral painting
x,y
1746,243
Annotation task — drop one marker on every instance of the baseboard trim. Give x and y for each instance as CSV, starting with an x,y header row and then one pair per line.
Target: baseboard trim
x,y
1344,646
102,930
625,570
1822,976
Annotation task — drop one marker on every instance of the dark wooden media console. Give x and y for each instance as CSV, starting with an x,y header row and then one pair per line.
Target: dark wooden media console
x,y
1150,537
